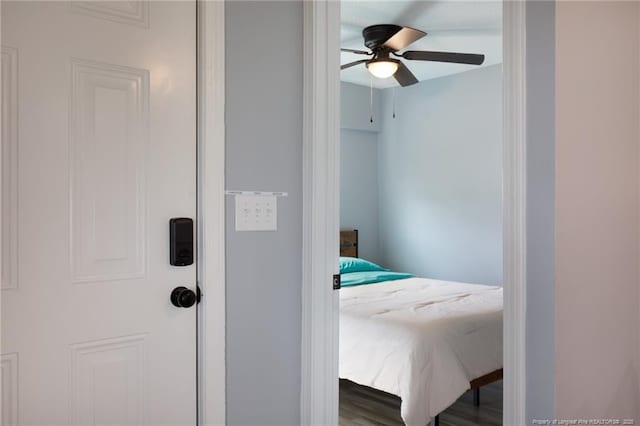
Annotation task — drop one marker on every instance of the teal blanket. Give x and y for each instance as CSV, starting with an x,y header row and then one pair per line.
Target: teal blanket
x,y
371,277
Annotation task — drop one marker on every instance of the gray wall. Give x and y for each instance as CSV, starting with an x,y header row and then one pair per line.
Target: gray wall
x,y
264,152
357,108
359,189
359,165
540,210
440,163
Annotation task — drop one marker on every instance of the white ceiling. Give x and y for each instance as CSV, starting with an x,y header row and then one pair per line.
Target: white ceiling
x,y
454,26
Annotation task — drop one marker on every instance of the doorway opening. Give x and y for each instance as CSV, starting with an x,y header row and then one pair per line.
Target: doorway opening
x,y
321,250
421,213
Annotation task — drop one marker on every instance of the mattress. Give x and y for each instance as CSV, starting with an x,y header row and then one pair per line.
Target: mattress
x,y
421,339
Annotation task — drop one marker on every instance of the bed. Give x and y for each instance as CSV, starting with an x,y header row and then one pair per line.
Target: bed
x,y
424,340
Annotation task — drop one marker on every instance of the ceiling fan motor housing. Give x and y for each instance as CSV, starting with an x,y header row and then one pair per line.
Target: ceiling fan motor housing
x,y
376,35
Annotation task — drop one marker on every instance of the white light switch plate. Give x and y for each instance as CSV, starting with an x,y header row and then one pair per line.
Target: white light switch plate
x,y
256,213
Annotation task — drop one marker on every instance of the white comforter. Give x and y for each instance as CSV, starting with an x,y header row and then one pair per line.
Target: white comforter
x,y
423,340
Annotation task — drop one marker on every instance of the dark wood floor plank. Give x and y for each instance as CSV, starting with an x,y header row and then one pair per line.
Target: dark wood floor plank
x,y
364,406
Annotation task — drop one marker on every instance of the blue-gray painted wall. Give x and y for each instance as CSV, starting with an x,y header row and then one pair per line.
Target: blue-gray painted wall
x,y
264,269
359,108
359,127
440,181
436,175
359,189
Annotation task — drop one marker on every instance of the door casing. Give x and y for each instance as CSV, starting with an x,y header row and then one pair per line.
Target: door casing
x,y
321,126
211,213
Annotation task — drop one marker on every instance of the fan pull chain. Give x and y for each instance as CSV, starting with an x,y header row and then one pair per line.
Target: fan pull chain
x,y
371,100
394,102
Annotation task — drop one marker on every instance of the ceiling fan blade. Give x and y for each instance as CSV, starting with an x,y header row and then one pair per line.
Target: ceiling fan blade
x,y
359,52
353,64
404,37
457,58
404,76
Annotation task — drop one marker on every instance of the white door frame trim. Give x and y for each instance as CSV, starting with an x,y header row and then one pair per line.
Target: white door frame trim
x,y
514,169
211,212
319,394
320,211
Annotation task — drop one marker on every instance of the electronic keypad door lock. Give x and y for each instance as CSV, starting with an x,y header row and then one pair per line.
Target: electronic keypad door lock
x,y
181,241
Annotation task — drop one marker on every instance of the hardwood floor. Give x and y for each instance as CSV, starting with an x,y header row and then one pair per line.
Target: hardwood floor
x,y
363,406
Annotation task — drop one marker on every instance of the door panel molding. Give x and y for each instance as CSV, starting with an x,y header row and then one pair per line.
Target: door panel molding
x,y
108,211
9,389
9,170
131,13
98,367
320,309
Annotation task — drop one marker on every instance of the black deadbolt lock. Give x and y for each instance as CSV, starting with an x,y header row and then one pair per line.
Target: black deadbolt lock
x,y
181,241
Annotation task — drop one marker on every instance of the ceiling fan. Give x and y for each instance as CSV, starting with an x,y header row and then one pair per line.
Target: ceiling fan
x,y
386,40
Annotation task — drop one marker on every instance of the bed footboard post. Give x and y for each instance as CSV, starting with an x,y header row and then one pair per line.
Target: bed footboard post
x,y
476,397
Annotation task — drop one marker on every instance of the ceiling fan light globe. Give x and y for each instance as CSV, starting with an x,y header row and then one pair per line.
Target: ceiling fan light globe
x,y
382,69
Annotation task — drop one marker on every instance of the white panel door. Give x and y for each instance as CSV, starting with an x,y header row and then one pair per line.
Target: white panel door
x,y
98,153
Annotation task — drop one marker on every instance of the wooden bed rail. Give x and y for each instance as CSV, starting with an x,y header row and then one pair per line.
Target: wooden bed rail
x,y
475,386
494,376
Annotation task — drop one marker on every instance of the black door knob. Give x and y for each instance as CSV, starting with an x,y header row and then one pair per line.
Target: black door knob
x,y
183,297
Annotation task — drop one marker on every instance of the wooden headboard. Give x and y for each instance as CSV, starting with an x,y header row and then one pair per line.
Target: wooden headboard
x,y
349,243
